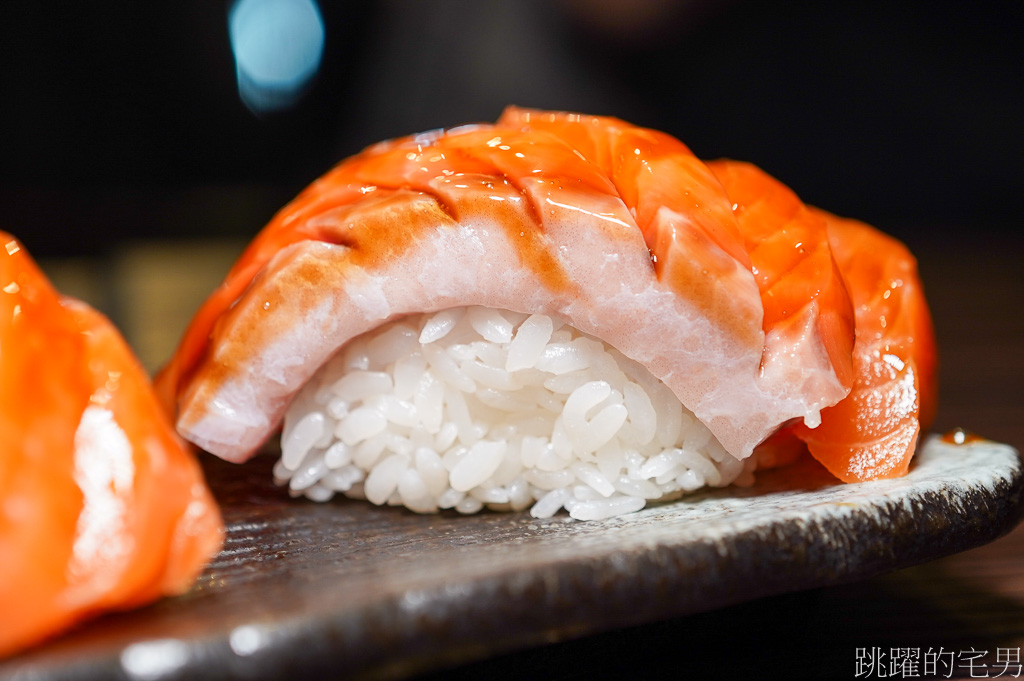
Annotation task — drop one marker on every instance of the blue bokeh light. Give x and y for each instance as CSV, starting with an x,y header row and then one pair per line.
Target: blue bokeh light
x,y
278,45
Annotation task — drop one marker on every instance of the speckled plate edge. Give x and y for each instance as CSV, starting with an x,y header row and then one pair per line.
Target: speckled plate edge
x,y
718,549
712,550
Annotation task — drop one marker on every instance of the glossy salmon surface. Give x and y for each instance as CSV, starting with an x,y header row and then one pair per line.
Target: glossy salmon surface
x,y
618,230
101,506
802,288
873,433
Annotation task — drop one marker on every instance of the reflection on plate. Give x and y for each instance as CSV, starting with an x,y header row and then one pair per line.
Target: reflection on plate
x,y
349,588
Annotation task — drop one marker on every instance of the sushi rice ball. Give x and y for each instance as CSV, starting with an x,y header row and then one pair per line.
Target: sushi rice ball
x,y
476,407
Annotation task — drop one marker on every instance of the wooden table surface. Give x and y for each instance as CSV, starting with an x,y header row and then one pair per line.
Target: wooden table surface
x,y
958,617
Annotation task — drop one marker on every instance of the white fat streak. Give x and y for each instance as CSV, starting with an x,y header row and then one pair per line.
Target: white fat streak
x,y
695,357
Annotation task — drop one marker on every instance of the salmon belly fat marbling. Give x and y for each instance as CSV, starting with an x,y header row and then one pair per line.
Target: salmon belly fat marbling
x,y
102,507
553,311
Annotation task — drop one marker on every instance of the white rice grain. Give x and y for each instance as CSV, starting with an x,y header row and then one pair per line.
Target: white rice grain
x,y
440,324
661,464
409,371
319,492
470,408
593,477
549,480
610,459
634,487
429,402
528,345
431,470
531,449
490,324
309,472
383,479
469,505
561,358
607,508
450,497
368,451
395,410
490,495
393,342
489,376
549,504
519,496
361,424
337,455
602,428
446,369
414,492
446,435
642,416
337,408
479,463
342,479
582,400
360,385
297,441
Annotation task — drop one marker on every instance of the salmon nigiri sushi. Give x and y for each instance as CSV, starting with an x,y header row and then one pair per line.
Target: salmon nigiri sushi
x,y
553,311
101,505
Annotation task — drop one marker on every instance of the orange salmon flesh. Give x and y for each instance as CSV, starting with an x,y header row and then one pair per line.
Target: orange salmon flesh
x,y
769,319
101,505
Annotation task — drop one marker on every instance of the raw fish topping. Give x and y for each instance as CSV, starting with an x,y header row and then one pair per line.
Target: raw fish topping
x,y
101,505
616,230
774,326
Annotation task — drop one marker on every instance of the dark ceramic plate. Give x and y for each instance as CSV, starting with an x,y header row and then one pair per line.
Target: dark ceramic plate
x,y
349,589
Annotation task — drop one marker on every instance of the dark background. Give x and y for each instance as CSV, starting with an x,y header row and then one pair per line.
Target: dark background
x,y
120,120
